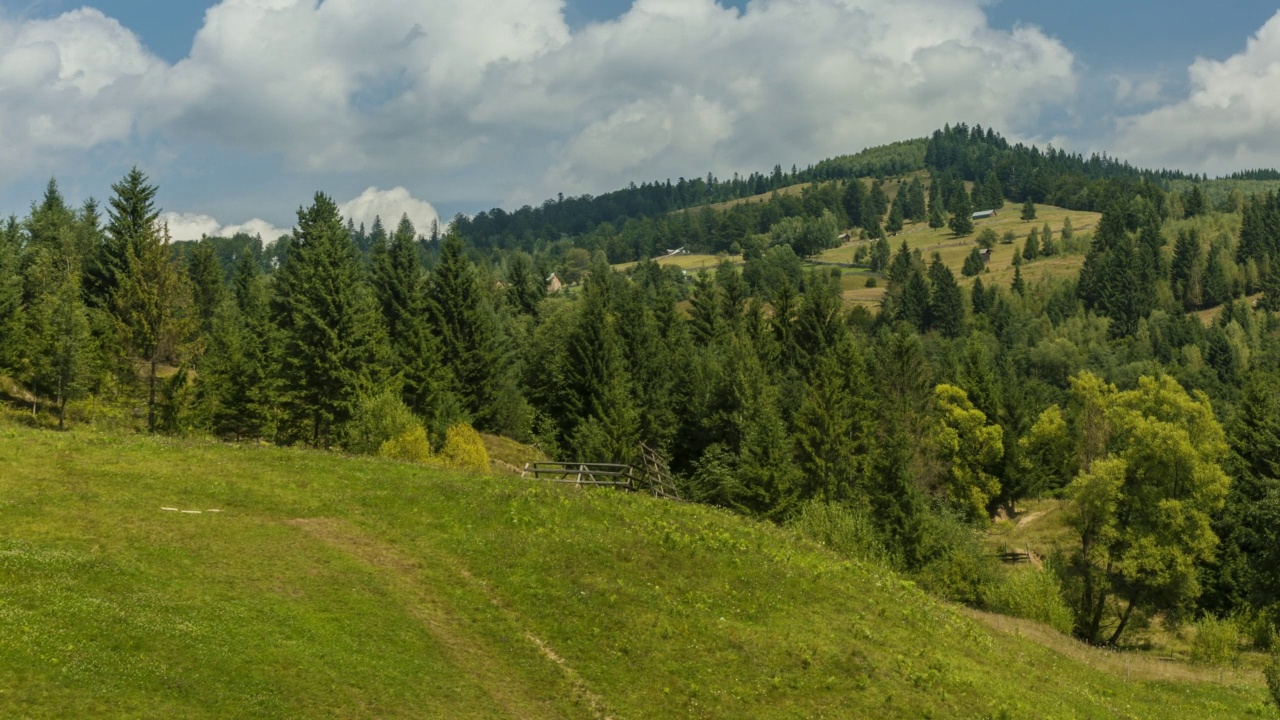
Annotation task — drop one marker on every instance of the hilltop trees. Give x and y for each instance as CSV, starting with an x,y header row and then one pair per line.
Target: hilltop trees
x,y
961,222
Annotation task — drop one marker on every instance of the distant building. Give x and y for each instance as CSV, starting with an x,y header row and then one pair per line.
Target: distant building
x,y
984,214
553,283
677,251
986,256
844,237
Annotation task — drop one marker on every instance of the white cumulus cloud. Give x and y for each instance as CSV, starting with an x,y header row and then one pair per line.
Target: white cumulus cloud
x,y
504,94
390,205
193,226
1229,121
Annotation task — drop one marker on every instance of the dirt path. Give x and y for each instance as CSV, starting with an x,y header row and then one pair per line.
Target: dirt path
x,y
490,667
1030,518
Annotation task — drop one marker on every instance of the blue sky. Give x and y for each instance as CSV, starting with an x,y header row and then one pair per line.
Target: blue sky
x,y
439,106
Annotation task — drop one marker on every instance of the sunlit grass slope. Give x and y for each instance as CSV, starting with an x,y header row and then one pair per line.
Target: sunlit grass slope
x,y
350,588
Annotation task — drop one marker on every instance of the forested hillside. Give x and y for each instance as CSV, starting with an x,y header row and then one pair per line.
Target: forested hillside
x,y
952,403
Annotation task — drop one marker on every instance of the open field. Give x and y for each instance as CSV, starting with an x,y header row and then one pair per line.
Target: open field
x,y
690,263
954,250
327,586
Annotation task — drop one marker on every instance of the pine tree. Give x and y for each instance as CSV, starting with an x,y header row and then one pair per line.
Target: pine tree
x,y
1068,232
1028,211
914,303
10,293
961,215
993,198
979,298
937,218
1031,249
597,387
877,203
472,345
915,207
880,253
61,348
205,276
854,200
973,264
334,341
153,304
1183,275
1046,240
896,217
132,218
946,304
1018,285
833,427
525,289
399,288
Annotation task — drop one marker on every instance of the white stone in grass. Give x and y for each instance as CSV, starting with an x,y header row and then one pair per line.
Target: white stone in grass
x,y
169,509
191,512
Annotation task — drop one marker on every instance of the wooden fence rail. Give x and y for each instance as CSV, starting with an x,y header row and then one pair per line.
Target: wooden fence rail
x,y
654,479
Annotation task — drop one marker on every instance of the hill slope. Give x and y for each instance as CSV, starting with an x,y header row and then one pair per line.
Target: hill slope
x,y
335,587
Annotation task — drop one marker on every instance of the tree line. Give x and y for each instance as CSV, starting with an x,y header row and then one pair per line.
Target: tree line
x,y
767,394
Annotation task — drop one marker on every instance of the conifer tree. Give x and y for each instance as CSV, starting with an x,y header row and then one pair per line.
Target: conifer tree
x,y
880,253
597,387
1031,249
833,426
1046,240
946,304
913,306
1068,232
525,288
399,287
1018,286
334,342
979,298
854,200
61,349
937,218
132,218
877,203
153,304
205,276
896,217
1028,211
1183,275
466,322
961,222
10,292
973,264
915,207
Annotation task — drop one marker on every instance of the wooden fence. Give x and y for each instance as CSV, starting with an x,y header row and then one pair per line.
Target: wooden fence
x,y
654,479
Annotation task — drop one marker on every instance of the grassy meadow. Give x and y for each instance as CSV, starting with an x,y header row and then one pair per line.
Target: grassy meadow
x,y
143,577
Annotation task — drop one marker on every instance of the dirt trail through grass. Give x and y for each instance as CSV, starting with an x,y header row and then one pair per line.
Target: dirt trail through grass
x,y
491,667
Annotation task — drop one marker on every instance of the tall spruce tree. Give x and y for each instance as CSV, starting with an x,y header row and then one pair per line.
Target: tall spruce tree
x,y
946,304
334,342
961,222
399,287
472,345
132,218
854,200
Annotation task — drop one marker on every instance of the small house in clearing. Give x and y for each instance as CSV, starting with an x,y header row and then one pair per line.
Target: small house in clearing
x,y
553,283
986,256
984,214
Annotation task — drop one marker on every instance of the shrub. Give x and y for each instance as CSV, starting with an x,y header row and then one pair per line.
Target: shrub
x,y
871,282
955,565
846,530
1272,671
1216,642
1032,594
377,419
412,445
464,449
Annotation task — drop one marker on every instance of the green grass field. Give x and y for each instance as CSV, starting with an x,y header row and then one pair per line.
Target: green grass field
x,y
340,587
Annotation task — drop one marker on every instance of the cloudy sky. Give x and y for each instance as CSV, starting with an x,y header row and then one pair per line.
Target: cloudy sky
x,y
240,110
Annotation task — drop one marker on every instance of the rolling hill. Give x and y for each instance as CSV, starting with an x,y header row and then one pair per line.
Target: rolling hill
x,y
142,577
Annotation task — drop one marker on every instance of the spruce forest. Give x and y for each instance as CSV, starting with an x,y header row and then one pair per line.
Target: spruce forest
x,y
852,350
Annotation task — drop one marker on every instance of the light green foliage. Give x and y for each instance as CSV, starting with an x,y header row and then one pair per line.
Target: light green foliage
x,y
464,449
412,445
1216,642
846,529
1048,452
968,446
1272,672
1030,593
1142,505
955,565
987,238
378,418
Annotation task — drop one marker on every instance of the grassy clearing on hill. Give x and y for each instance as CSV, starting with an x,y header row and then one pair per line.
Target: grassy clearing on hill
x,y
343,587
954,250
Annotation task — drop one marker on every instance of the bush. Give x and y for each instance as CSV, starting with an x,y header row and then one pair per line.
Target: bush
x,y
464,449
846,530
955,565
1272,671
1032,594
411,445
1216,642
871,282
377,419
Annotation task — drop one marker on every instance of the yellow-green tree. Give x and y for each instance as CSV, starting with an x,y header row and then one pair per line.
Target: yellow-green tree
x,y
1148,485
968,446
